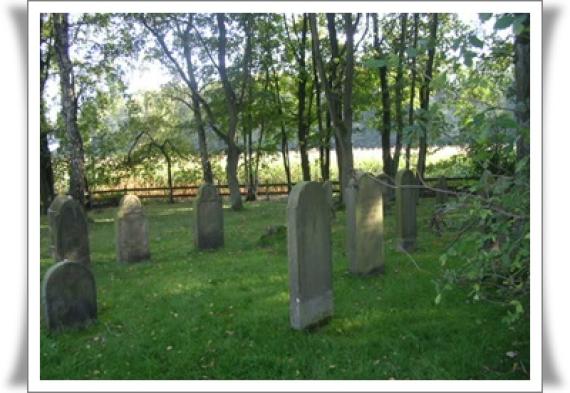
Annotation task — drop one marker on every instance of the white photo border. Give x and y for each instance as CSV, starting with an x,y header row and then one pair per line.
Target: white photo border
x,y
534,384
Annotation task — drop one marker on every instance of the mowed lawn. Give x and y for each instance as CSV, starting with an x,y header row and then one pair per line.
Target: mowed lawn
x,y
224,314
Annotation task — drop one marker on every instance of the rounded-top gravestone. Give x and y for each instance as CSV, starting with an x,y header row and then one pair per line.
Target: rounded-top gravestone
x,y
69,232
208,218
69,296
309,254
406,225
365,225
131,231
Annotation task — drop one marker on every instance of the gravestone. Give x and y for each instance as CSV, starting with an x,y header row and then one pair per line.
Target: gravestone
x,y
310,258
69,296
388,193
406,226
364,225
208,218
69,233
327,186
441,196
131,231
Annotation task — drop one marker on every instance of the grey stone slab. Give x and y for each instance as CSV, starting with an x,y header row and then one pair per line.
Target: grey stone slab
x,y
69,296
365,225
69,231
406,221
310,258
131,231
208,218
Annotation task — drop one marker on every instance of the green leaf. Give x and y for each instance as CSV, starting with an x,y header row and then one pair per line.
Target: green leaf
x,y
468,58
412,52
475,41
504,22
375,63
483,17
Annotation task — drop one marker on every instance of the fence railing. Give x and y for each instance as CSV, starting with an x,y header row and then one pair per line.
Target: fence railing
x,y
112,196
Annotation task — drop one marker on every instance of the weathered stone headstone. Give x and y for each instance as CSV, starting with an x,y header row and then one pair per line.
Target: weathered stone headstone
x,y
327,186
131,231
364,225
69,296
406,226
208,218
69,233
310,258
441,196
388,193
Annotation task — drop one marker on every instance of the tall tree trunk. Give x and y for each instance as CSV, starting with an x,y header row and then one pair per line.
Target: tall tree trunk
x,y
69,108
412,89
284,141
193,86
424,99
342,121
522,88
302,123
232,105
386,127
399,96
169,175
47,190
326,167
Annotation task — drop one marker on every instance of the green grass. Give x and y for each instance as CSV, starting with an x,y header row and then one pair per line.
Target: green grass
x,y
224,314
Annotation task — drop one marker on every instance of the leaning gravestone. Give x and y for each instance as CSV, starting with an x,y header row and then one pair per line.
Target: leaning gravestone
x,y
208,218
441,196
310,258
131,229
68,227
364,225
406,210
69,296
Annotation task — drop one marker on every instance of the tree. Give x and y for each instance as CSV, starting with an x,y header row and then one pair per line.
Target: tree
x,y
424,97
157,130
522,84
182,65
47,190
338,88
77,185
299,55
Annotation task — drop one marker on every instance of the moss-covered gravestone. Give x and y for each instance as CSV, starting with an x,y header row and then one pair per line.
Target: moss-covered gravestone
x,y
406,226
208,218
131,231
365,225
69,233
309,252
441,196
69,296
